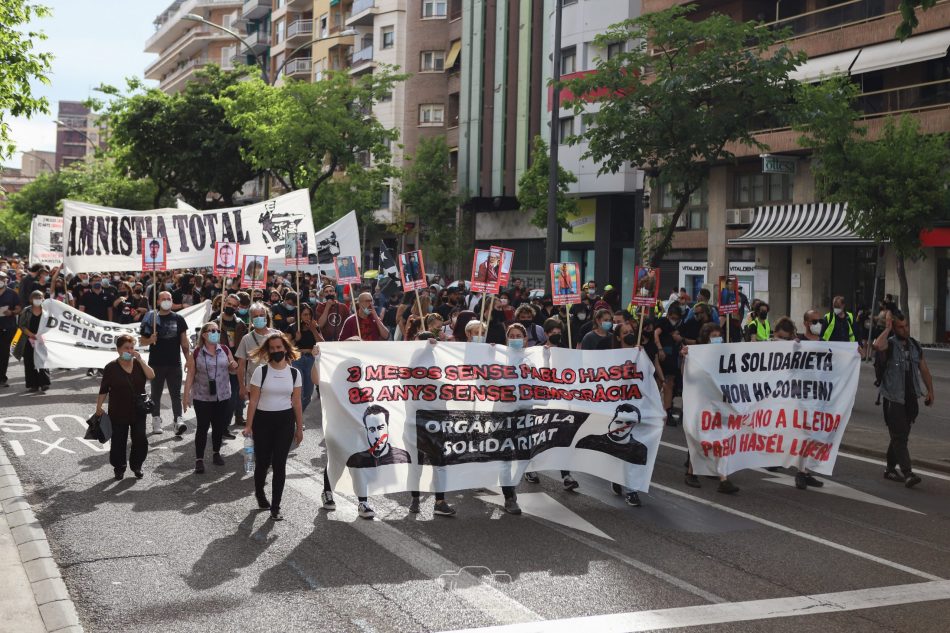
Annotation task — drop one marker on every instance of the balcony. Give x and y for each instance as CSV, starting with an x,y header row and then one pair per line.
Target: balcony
x,y
189,43
258,42
300,29
835,17
913,98
255,9
363,13
298,66
361,58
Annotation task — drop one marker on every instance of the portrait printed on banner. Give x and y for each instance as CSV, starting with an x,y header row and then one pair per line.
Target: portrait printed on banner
x,y
225,258
507,259
646,286
618,440
486,270
379,451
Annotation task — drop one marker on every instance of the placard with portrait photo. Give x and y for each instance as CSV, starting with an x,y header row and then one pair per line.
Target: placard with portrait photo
x,y
412,271
226,259
254,271
347,270
486,270
564,283
728,294
295,249
646,286
154,254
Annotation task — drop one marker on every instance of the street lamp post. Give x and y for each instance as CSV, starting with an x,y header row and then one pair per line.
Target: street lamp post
x,y
93,144
554,229
41,159
258,59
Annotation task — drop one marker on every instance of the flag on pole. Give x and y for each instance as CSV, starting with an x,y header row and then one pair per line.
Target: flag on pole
x,y
389,277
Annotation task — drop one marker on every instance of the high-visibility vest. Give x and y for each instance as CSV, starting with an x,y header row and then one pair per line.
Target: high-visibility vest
x,y
763,330
830,320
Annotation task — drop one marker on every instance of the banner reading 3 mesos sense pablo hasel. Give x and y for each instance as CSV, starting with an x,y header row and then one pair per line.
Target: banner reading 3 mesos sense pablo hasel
x,y
754,405
449,416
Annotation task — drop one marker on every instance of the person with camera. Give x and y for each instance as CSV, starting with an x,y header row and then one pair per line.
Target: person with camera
x,y
331,314
210,386
123,383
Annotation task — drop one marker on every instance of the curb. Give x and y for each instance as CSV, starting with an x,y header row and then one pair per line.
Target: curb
x,y
882,455
52,598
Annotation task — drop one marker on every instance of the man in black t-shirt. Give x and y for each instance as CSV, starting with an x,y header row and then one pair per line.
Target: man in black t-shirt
x,y
166,334
95,302
185,294
9,309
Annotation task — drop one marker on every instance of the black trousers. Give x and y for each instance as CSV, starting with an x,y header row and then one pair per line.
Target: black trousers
x,y
172,377
35,378
6,339
899,418
121,430
273,434
439,496
215,415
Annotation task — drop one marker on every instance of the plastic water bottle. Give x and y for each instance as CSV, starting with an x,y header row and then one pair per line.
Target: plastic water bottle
x,y
248,455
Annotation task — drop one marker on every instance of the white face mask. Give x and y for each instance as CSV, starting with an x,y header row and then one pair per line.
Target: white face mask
x,y
839,311
165,305
37,302
815,328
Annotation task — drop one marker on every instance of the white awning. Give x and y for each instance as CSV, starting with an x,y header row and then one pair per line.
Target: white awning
x,y
916,49
826,65
817,223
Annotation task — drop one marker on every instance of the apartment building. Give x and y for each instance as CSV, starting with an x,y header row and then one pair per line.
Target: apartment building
x,y
292,35
761,218
184,46
77,134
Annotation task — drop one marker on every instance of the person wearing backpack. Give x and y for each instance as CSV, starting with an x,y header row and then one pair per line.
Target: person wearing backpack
x,y
274,415
905,376
209,386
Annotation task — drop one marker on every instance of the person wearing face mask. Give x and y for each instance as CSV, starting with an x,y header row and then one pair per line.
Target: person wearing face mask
x,y
371,327
274,416
261,329
331,314
839,323
122,304
185,294
600,335
60,292
233,329
306,336
123,380
691,327
95,302
813,326
554,333
9,310
525,316
29,323
36,279
709,334
208,384
166,334
284,312
759,328
667,335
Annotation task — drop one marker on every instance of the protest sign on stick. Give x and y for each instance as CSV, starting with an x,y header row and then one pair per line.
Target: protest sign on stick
x,y
565,289
254,272
646,292
348,273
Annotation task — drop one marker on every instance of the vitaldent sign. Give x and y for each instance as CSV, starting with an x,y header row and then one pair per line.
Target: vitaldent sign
x,y
778,164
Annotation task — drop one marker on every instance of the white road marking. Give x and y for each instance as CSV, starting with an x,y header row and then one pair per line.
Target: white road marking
x,y
799,533
839,490
541,505
708,615
17,448
871,460
96,446
51,446
481,596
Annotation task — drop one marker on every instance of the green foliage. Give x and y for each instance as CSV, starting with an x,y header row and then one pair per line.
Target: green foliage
x,y
677,104
182,142
306,134
358,189
533,188
40,197
19,65
14,232
909,22
427,193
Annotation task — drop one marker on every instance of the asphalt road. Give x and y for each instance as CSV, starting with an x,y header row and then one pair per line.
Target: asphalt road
x,y
180,552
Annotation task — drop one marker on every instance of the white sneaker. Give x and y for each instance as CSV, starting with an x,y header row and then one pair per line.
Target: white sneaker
x,y
365,511
328,502
179,426
156,424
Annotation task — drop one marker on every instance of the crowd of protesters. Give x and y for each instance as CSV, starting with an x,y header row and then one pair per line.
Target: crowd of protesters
x,y
232,351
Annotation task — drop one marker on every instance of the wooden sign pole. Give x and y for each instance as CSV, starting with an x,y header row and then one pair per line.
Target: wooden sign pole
x,y
356,313
640,332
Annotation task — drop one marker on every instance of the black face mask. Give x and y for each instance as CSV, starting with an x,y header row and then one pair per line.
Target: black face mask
x,y
555,338
527,323
228,310
763,314
630,339
277,356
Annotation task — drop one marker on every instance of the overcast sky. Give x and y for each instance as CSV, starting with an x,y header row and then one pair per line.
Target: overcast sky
x,y
93,42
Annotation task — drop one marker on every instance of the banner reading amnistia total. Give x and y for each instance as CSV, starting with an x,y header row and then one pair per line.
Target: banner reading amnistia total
x,y
98,239
70,338
755,405
450,416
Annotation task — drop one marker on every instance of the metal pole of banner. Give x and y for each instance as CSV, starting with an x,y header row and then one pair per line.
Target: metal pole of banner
x,y
224,286
356,314
570,343
154,299
877,271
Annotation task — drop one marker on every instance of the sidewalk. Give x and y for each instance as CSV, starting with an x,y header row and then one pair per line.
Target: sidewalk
x,y
33,597
930,436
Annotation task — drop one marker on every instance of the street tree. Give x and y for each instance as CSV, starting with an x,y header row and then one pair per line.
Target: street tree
x,y
679,96
909,21
305,134
895,185
533,188
20,65
427,193
181,142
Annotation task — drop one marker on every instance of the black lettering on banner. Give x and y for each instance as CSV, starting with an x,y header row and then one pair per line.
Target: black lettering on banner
x,y
445,438
242,236
102,235
125,235
211,220
196,229
180,222
227,231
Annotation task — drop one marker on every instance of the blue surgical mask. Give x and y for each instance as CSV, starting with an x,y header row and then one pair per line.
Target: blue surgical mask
x,y
214,337
260,322
606,326
126,356
478,339
715,339
516,343
367,311
242,311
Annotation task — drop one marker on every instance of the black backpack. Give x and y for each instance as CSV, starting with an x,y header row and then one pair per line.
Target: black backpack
x,y
293,374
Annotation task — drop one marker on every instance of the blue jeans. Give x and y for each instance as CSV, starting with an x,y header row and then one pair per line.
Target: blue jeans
x,y
304,364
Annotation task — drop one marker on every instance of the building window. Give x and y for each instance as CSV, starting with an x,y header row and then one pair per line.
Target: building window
x,y
386,97
431,114
752,189
279,32
453,109
389,37
614,49
385,197
568,60
434,8
455,9
432,61
565,129
324,25
668,203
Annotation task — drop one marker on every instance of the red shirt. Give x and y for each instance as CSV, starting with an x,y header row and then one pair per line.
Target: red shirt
x,y
368,328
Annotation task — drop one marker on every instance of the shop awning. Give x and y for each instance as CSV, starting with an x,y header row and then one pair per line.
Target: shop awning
x,y
453,55
916,49
825,66
817,223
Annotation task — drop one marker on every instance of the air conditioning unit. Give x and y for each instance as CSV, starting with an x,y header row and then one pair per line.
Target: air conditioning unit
x,y
659,220
739,216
